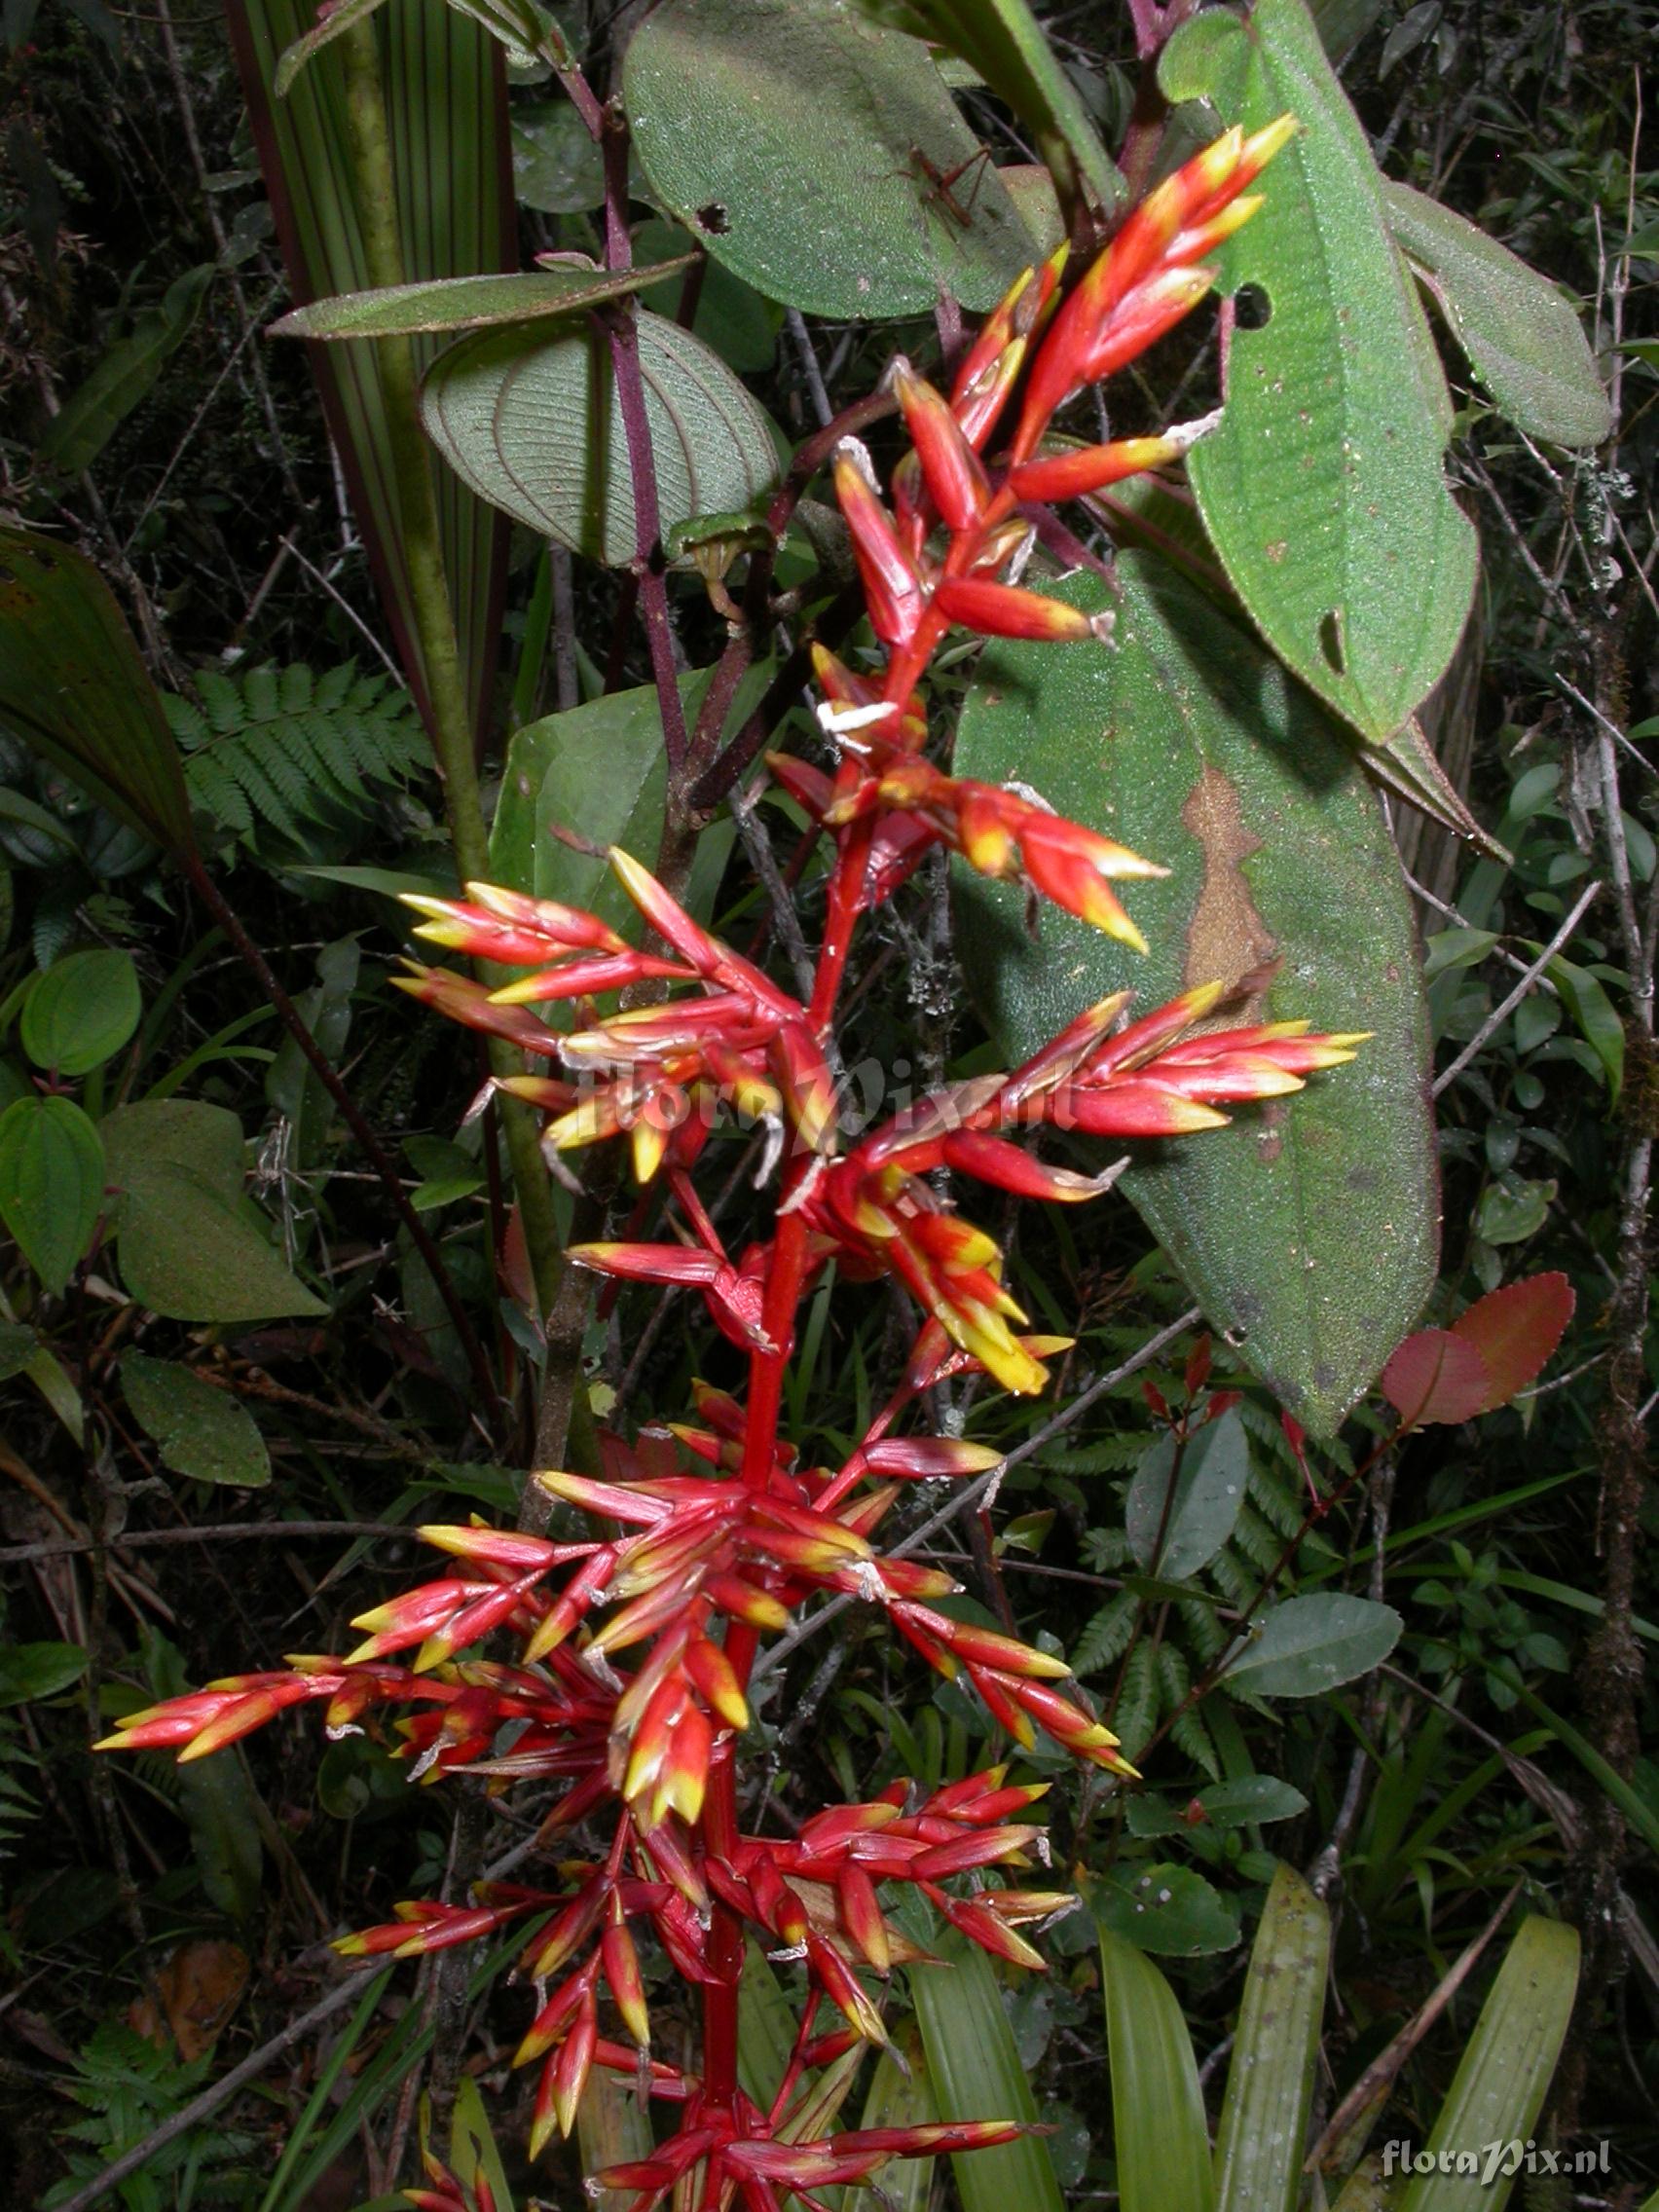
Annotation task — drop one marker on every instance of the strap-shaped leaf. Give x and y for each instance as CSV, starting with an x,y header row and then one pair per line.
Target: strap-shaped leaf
x,y
1309,1227
470,302
976,2073
73,685
1498,2089
1522,336
529,422
1323,490
446,95
807,148
1157,2108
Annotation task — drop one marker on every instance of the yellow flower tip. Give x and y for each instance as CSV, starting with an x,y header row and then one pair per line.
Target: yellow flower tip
x,y
115,1743
433,1653
540,2135
522,993
349,1946
1343,1041
1124,931
1187,1118
1259,149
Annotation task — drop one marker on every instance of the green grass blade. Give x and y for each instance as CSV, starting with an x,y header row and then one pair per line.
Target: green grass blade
x,y
1157,2108
899,2100
765,2029
1269,2084
1499,2088
1607,1778
976,2075
446,99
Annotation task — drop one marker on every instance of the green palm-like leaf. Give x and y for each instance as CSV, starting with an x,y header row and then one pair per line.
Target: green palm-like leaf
x,y
446,97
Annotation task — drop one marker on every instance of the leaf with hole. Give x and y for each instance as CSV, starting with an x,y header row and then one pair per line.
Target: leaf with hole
x,y
72,685
199,1431
528,421
1323,490
820,157
1164,1907
81,1011
474,303
1189,744
1522,336
1308,1645
52,1183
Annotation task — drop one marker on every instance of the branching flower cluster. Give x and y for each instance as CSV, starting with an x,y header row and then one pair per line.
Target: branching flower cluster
x,y
617,1666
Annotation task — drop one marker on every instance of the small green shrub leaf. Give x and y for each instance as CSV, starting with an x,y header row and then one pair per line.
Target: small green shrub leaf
x,y
81,1011
803,145
1308,1645
28,1670
1522,336
529,423
52,1182
1165,1908
1174,1533
202,1432
190,1246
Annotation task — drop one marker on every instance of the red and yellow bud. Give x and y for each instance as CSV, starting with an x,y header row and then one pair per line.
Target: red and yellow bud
x,y
950,468
621,1964
1007,610
893,590
860,1916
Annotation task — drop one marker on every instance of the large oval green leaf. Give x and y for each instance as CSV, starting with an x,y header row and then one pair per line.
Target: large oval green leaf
x,y
1322,489
1307,1228
200,1432
804,146
51,1177
81,1011
529,423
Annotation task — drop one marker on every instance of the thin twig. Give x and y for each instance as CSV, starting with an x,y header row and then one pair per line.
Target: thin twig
x,y
216,2093
212,1533
1507,1005
983,1486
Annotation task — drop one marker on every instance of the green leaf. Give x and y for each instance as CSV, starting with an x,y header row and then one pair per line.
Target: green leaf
x,y
81,1011
733,316
51,1181
473,2152
1307,1645
30,1670
19,1345
447,107
72,685
803,144
529,422
1506,2069
1164,1907
600,770
217,1801
95,410
1270,2081
1595,1015
976,2073
1007,48
191,1247
1241,1803
1510,1212
1189,744
471,303
1323,490
557,165
1157,2108
1174,1535
900,2096
1522,336
202,1432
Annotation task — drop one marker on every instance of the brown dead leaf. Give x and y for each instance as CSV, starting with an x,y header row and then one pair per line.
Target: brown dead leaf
x,y
200,1985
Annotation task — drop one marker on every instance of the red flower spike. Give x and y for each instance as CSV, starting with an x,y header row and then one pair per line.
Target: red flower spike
x,y
956,483
1073,475
893,589
461,999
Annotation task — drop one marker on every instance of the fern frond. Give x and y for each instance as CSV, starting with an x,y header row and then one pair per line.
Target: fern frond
x,y
1106,1636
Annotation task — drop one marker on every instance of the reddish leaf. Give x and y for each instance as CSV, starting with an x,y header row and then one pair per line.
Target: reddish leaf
x,y
1516,1330
1437,1376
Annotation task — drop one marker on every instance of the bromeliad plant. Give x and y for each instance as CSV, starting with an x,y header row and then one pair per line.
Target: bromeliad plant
x,y
625,1671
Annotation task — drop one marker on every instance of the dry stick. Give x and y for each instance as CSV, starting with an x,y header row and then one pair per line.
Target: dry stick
x,y
326,584
216,2093
328,1075
1443,907
1379,2076
983,1486
1507,1005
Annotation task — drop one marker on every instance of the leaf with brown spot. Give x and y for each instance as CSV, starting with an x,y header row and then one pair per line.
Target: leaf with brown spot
x,y
1308,1229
